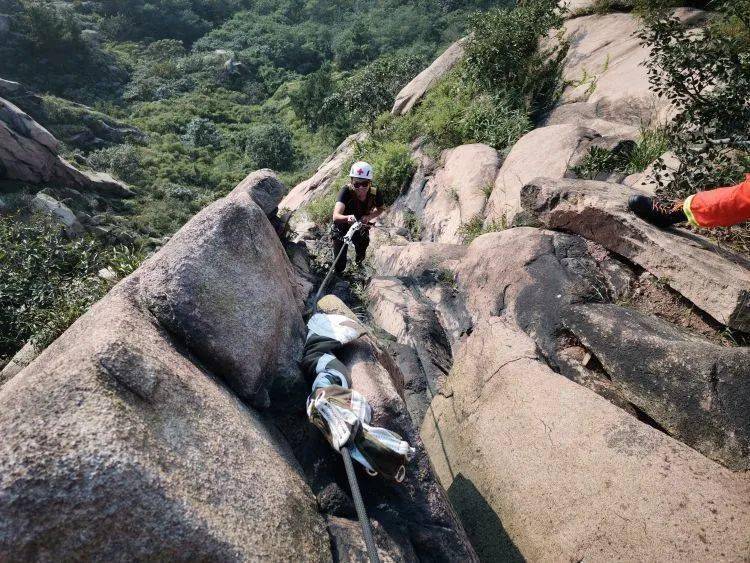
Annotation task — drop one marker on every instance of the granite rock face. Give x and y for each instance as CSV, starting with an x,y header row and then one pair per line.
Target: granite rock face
x,y
414,91
116,444
233,304
715,280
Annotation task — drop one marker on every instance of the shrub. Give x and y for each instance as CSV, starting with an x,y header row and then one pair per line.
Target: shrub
x,y
476,227
370,91
47,280
632,159
320,210
503,54
652,145
124,161
201,132
51,31
270,146
706,77
392,164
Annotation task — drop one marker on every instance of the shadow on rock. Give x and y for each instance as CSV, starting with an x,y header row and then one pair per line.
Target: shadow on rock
x,y
485,530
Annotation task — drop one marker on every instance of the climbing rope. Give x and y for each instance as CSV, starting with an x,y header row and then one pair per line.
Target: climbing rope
x,y
372,550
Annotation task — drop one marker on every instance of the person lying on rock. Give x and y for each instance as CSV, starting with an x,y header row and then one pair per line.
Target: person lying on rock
x,y
357,201
720,207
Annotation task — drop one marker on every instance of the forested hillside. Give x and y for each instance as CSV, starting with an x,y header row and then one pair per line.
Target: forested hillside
x,y
215,85
180,99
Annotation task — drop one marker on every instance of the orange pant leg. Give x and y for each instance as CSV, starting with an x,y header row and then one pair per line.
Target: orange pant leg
x,y
721,207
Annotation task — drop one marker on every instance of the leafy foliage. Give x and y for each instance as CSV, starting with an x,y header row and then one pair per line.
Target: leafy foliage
x,y
629,159
47,281
270,146
201,132
503,54
706,76
392,164
476,227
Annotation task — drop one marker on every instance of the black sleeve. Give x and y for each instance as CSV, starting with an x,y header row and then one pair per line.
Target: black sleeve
x,y
379,199
343,196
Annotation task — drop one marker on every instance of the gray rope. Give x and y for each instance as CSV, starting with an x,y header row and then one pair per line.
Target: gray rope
x,y
372,550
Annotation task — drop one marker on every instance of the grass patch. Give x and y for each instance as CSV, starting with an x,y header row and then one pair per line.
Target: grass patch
x,y
476,227
320,210
413,224
652,144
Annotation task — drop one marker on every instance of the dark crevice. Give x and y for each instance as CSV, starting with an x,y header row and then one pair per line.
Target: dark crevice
x,y
641,415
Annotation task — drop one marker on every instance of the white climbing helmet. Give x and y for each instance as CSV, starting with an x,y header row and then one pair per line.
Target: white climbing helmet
x,y
361,170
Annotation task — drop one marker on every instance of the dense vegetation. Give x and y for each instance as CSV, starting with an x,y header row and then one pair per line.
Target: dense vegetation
x,y
47,281
218,88
221,87
707,77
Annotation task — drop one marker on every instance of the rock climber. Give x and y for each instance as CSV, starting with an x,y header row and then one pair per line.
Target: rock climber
x,y
357,201
720,207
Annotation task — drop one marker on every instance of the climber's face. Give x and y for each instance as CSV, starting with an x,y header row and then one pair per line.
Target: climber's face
x,y
361,187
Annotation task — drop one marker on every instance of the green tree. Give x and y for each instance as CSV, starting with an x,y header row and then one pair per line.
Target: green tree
x,y
202,132
51,31
503,54
370,91
706,76
270,146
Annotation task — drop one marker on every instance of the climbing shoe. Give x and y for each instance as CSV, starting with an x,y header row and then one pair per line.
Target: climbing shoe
x,y
655,213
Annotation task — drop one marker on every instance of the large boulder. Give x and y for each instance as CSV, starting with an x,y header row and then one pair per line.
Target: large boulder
x,y
695,390
20,360
715,280
415,90
530,276
556,472
456,194
324,176
414,259
117,445
604,70
233,305
59,212
544,151
28,153
265,189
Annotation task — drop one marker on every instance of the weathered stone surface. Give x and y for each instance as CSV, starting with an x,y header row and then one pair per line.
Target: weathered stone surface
x,y
576,6
415,258
116,446
20,360
48,205
349,545
559,473
529,276
222,285
714,279
413,92
265,189
324,176
417,508
697,391
545,151
406,315
457,192
28,153
604,69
